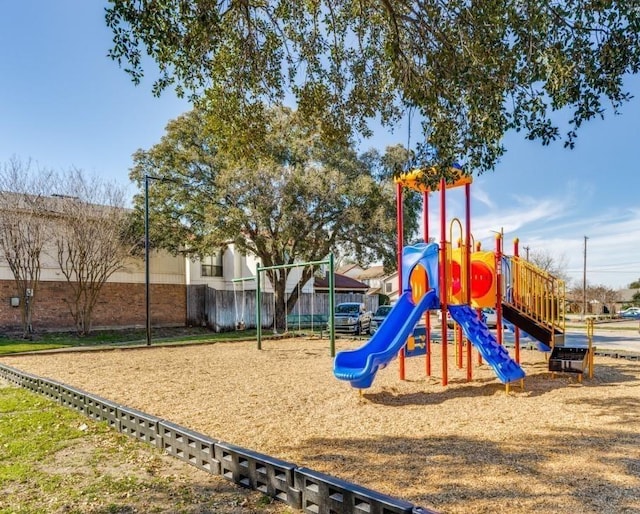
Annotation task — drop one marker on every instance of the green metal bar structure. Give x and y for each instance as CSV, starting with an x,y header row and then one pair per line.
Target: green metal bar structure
x,y
258,309
330,263
332,301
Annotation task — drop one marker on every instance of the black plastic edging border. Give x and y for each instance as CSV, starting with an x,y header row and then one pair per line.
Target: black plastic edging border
x,y
310,491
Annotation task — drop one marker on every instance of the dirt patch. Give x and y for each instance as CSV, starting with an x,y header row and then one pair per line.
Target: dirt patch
x,y
129,477
558,446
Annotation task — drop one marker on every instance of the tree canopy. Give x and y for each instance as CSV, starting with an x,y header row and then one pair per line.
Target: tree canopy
x,y
89,239
553,264
472,70
287,197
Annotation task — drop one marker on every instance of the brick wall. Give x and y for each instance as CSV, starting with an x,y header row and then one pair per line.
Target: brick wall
x,y
119,305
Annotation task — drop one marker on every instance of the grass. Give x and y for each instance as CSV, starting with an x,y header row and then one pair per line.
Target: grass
x,y
31,429
107,338
54,460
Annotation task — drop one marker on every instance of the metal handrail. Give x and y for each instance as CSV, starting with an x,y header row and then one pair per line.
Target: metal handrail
x,y
537,294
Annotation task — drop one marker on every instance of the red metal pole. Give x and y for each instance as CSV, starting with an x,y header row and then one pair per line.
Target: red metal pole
x,y
427,316
459,334
467,194
499,287
443,277
400,221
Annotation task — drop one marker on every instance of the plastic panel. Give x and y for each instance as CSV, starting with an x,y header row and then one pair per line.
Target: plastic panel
x,y
142,426
101,409
324,494
268,475
72,398
50,389
11,374
30,382
196,449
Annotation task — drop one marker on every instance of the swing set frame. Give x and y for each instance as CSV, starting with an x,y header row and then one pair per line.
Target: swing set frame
x,y
330,263
240,324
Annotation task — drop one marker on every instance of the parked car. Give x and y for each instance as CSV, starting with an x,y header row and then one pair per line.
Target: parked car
x,y
488,315
378,317
630,312
353,318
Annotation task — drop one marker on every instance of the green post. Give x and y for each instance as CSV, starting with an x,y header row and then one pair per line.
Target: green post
x,y
332,299
259,310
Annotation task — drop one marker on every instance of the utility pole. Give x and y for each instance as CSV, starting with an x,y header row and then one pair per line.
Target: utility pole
x,y
584,279
526,249
147,297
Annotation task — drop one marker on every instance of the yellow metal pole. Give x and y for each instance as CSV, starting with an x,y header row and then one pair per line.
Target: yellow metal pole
x,y
590,325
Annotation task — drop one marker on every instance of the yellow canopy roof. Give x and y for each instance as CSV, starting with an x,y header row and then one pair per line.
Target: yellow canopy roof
x,y
415,179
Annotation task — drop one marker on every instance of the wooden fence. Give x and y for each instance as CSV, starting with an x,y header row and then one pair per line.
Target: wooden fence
x,y
222,310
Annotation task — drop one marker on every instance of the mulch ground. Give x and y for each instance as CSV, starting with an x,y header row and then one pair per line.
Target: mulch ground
x,y
558,446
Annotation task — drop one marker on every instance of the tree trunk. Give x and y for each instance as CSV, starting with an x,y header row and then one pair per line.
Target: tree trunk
x,y
27,326
280,314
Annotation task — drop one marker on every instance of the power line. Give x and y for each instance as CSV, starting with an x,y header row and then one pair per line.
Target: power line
x,y
601,270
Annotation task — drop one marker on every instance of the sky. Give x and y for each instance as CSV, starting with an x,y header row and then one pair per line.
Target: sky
x,y
64,103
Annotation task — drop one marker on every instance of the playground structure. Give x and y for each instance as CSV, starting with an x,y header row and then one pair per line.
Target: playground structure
x,y
460,281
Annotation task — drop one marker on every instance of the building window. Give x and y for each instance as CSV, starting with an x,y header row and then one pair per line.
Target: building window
x,y
388,287
211,266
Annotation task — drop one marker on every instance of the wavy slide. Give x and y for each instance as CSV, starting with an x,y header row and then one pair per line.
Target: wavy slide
x,y
360,366
481,337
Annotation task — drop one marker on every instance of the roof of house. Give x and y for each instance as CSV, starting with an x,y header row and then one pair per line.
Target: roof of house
x,y
372,272
341,283
349,269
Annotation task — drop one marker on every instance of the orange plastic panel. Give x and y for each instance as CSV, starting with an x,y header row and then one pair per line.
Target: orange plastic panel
x,y
419,283
483,279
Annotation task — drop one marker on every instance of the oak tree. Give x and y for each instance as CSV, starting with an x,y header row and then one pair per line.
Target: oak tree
x,y
472,70
269,184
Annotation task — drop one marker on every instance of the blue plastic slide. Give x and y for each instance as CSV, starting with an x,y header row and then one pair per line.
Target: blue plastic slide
x,y
481,337
360,366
